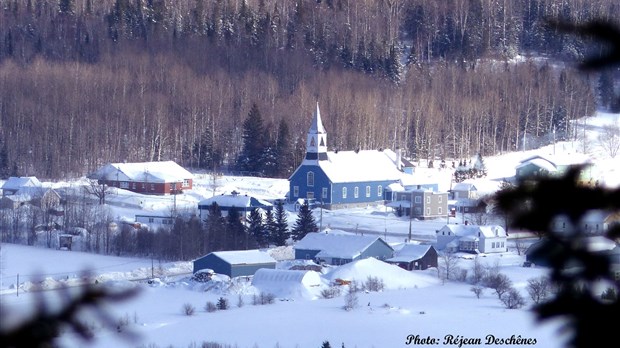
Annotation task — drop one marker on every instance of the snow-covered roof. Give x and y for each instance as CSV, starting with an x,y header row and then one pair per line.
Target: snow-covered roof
x,y
363,165
473,230
410,252
158,172
239,257
540,163
15,183
267,275
336,245
464,186
235,200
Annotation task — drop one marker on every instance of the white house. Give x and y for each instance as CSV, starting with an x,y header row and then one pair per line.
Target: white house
x,y
243,203
14,184
472,238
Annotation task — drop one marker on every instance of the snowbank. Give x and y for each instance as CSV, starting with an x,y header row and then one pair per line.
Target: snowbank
x,y
393,276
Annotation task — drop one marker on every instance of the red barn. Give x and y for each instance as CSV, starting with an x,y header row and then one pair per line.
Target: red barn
x,y
157,178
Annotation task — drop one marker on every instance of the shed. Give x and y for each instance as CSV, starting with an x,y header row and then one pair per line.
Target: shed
x,y
338,249
414,257
235,263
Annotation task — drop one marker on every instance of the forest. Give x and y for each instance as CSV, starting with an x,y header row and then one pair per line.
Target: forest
x,y
84,83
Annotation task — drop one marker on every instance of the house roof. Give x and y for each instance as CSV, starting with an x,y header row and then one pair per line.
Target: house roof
x,y
157,172
359,166
15,183
235,200
472,230
240,257
410,252
336,245
464,186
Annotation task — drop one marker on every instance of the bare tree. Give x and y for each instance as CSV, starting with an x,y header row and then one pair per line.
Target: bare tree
x,y
498,282
512,299
609,139
539,288
99,190
448,266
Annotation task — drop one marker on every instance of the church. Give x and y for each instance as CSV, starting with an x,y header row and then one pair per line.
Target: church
x,y
343,179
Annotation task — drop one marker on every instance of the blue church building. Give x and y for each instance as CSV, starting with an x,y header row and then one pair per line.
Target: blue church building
x,y
343,179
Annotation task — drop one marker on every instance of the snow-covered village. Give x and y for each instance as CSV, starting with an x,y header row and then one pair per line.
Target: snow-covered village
x,y
309,173
355,249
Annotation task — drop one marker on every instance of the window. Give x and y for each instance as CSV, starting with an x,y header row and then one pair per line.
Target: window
x,y
344,192
356,192
428,199
367,191
295,191
492,244
124,184
151,220
439,211
324,193
428,211
439,198
152,187
379,191
185,182
310,178
310,194
418,199
133,185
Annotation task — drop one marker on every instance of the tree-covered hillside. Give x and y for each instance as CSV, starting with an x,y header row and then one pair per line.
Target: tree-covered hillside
x,y
87,82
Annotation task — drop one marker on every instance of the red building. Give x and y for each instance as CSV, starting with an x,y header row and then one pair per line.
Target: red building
x,y
157,178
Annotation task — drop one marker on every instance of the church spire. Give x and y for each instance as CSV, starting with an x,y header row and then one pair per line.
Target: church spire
x,y
316,144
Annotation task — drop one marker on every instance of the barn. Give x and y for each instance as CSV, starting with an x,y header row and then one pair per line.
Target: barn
x,y
156,178
341,179
235,263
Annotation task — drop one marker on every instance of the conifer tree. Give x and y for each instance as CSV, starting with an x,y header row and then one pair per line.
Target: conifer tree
x,y
253,142
304,224
279,232
257,228
215,228
285,162
236,234
5,169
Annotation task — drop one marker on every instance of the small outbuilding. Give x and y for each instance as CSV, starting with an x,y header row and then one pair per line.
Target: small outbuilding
x,y
235,263
414,257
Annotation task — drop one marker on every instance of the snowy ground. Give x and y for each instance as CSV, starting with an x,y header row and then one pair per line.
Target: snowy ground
x,y
412,303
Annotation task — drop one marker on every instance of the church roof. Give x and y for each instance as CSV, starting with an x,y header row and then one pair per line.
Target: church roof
x,y
357,166
317,125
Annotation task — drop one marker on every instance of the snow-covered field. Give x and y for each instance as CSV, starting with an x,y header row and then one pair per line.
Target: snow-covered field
x,y
414,307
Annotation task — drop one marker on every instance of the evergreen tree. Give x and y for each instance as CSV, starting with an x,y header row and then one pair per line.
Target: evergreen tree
x,y
66,6
304,224
285,161
393,67
257,228
279,231
326,344
270,225
236,234
253,142
215,228
479,167
5,168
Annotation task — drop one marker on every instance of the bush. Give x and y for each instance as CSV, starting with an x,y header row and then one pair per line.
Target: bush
x,y
263,299
373,284
498,282
512,299
477,290
210,307
351,300
330,292
222,304
188,309
538,289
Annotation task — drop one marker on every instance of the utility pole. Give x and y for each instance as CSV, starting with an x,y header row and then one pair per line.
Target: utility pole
x,y
410,215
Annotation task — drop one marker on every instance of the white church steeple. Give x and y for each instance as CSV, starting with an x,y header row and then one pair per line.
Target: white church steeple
x,y
316,144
